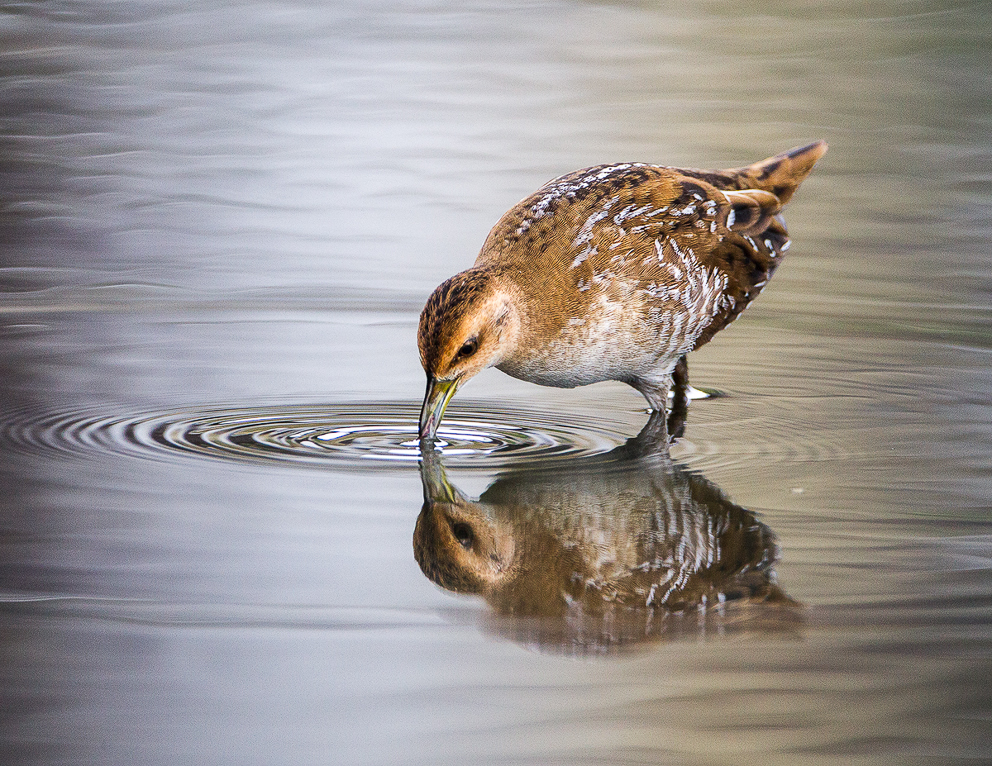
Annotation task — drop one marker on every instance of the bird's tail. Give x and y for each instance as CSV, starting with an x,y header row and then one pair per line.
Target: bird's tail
x,y
782,174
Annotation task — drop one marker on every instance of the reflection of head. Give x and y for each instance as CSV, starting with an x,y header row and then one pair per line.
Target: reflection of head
x,y
460,549
509,562
602,552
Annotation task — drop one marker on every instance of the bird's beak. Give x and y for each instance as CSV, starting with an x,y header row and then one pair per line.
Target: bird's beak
x,y
439,393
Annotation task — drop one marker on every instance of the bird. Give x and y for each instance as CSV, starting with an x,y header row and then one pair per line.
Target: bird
x,y
612,272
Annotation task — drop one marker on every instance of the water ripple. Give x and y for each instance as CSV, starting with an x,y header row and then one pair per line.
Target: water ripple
x,y
353,435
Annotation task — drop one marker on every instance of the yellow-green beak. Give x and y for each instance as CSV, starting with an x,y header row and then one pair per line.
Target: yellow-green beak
x,y
439,393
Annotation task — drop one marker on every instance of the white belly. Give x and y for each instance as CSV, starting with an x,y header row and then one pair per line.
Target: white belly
x,y
616,345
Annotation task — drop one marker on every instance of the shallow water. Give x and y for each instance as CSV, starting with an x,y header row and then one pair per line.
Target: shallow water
x,y
218,225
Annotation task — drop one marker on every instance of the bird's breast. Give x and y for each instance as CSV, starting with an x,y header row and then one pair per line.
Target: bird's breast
x,y
609,340
610,324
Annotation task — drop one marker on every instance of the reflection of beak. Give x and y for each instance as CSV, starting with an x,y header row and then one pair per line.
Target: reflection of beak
x,y
437,488
439,393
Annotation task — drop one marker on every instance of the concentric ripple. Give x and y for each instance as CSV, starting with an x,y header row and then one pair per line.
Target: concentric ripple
x,y
352,435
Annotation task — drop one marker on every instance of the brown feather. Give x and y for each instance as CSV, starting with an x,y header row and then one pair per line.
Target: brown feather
x,y
615,272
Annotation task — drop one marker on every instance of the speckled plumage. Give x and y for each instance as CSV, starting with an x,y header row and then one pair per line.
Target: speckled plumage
x,y
614,272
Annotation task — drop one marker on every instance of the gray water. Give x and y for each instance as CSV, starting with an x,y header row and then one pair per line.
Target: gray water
x,y
218,224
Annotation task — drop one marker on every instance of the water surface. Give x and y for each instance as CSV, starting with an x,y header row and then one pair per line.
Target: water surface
x,y
218,224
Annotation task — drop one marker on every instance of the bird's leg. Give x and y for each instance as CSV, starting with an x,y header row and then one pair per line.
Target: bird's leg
x,y
680,400
655,390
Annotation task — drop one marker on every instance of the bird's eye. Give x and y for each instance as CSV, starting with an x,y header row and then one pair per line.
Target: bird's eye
x,y
463,534
468,348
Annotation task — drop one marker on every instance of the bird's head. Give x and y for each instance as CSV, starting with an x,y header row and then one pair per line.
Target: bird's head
x,y
468,324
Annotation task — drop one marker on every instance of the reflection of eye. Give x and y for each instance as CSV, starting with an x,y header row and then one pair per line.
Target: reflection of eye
x,y
463,534
468,348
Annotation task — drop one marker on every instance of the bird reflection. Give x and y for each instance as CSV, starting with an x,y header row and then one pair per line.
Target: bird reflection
x,y
604,552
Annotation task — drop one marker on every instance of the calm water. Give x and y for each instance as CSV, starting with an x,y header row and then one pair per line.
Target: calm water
x,y
218,224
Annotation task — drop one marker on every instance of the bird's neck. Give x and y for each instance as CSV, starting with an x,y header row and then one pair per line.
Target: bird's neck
x,y
509,322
